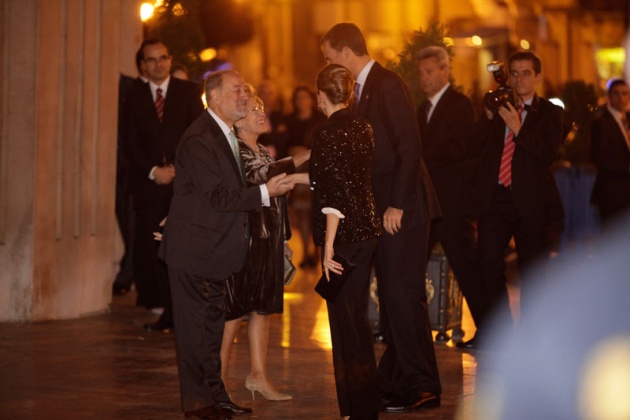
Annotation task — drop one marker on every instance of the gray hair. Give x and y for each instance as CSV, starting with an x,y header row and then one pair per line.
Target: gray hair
x,y
434,51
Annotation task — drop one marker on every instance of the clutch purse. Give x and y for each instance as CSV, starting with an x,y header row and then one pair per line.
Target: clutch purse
x,y
330,289
289,270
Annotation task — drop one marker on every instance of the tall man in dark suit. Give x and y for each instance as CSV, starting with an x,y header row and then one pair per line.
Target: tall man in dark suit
x,y
205,241
447,122
156,115
406,203
610,151
516,192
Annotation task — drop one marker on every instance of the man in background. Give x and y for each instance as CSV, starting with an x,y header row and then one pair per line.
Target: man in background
x,y
610,151
156,115
447,125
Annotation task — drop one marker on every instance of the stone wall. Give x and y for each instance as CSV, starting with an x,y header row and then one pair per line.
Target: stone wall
x,y
61,62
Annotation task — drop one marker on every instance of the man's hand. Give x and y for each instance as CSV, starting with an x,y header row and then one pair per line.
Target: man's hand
x,y
164,174
278,185
392,220
509,114
157,236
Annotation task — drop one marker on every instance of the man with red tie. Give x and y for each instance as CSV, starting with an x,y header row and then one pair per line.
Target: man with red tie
x,y
155,116
516,194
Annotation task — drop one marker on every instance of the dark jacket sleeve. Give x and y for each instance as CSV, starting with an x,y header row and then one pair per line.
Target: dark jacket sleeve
x,y
398,115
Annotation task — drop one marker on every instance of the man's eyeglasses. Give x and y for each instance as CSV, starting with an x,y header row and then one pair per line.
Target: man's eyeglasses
x,y
258,108
160,59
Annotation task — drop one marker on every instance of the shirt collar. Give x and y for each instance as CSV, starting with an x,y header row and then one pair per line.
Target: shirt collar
x,y
224,127
615,113
163,86
436,98
362,77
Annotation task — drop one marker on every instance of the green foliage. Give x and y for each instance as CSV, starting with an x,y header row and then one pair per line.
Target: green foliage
x,y
177,24
580,103
406,64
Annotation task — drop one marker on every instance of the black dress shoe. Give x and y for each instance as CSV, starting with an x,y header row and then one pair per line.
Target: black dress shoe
x,y
158,326
223,410
422,401
471,344
207,413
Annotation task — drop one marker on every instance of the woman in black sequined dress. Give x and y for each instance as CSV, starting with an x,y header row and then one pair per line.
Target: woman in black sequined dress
x,y
345,222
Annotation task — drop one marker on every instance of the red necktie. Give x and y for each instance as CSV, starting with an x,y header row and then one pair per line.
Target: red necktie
x,y
505,170
159,104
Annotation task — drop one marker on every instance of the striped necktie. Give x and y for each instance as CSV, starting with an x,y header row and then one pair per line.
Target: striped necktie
x,y
505,170
159,104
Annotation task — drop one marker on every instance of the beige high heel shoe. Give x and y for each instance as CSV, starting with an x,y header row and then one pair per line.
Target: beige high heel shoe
x,y
269,394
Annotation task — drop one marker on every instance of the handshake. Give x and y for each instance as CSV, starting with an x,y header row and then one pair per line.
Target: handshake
x,y
283,183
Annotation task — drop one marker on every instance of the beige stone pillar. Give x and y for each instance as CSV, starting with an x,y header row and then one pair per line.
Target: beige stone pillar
x,y
60,63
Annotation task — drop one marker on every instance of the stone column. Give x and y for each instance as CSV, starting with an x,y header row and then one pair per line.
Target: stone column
x,y
60,63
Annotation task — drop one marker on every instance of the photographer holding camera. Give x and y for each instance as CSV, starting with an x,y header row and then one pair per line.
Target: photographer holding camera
x,y
516,194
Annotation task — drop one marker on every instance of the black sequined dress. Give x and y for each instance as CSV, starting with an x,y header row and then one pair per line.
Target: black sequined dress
x,y
340,176
259,287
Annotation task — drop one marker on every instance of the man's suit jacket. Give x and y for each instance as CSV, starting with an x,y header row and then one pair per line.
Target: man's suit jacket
x,y
149,143
207,232
611,155
533,187
399,176
448,149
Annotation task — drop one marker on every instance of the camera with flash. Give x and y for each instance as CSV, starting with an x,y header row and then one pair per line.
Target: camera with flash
x,y
504,93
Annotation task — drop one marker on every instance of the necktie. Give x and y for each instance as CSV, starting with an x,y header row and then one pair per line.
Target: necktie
x,y
427,110
505,170
159,104
357,92
236,150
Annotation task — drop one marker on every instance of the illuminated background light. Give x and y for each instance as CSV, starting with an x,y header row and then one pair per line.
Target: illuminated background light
x,y
146,11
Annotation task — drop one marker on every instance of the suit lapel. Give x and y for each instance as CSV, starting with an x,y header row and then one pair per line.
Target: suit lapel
x,y
366,93
224,146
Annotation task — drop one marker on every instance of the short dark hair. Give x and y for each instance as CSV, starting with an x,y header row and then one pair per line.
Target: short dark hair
x,y
151,41
527,55
139,60
612,83
337,83
346,34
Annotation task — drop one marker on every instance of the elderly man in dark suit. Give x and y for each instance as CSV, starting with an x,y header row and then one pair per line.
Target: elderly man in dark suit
x,y
156,114
406,203
610,151
516,194
205,241
447,124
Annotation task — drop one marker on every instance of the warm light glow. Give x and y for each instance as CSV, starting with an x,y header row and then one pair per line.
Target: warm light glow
x,y
557,101
448,41
321,329
208,54
146,11
476,40
290,299
524,44
204,101
178,10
